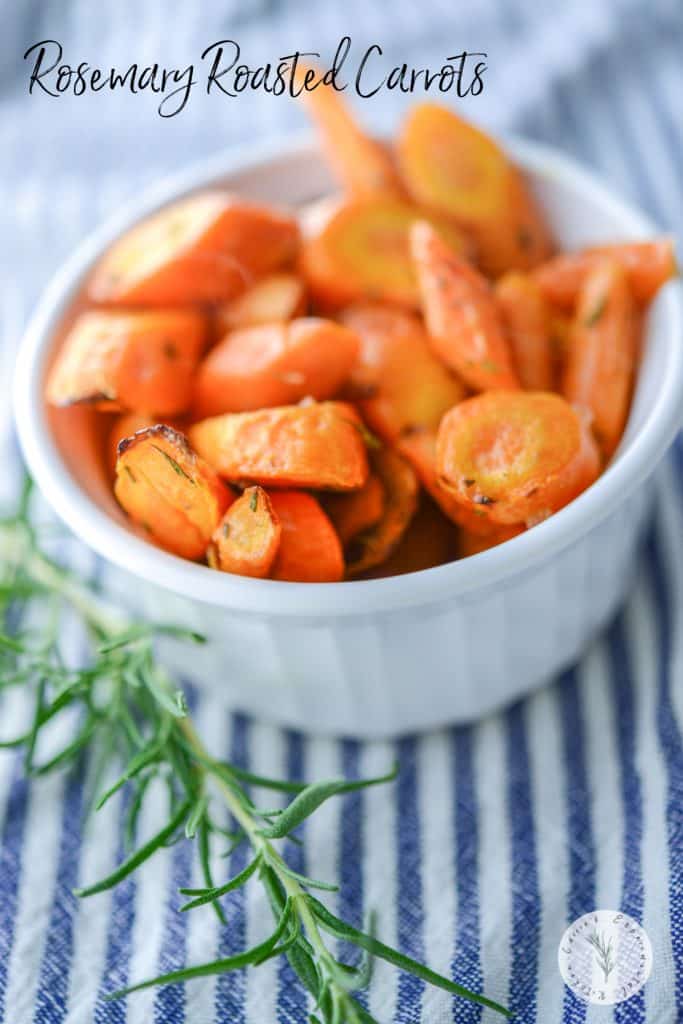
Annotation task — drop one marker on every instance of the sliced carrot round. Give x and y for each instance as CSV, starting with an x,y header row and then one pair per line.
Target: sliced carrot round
x,y
520,455
363,253
247,538
310,550
274,364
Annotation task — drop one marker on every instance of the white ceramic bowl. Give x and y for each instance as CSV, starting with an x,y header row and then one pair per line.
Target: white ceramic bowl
x,y
386,656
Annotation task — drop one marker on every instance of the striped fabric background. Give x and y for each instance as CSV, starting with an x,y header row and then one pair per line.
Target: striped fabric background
x,y
495,836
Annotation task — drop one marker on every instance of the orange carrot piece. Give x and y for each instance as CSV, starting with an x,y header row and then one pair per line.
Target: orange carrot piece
x,y
419,448
320,446
142,361
602,352
363,253
273,299
207,248
356,511
401,489
398,381
125,426
521,455
310,550
431,539
528,323
649,265
274,364
461,315
452,167
247,538
474,543
362,165
166,488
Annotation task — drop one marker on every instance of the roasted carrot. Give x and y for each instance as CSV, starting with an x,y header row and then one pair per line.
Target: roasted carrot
x,y
452,167
648,265
474,543
356,511
317,445
398,382
401,489
274,364
362,165
602,352
528,323
210,247
431,539
142,361
247,538
521,455
362,253
464,324
310,550
125,426
273,299
171,492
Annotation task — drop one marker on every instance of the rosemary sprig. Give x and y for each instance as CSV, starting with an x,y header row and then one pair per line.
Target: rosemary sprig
x,y
603,952
134,721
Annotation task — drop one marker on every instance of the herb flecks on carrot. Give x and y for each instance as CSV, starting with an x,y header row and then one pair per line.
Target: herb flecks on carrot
x,y
169,490
142,361
274,364
460,312
247,538
208,248
518,455
318,445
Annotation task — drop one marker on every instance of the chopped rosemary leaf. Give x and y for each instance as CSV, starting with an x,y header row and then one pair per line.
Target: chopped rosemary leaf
x,y
175,466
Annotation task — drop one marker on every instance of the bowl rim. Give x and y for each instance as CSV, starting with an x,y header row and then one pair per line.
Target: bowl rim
x,y
348,598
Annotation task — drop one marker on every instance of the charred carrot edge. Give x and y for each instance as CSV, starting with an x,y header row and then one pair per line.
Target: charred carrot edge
x,y
450,166
274,364
401,489
275,298
209,247
527,320
648,265
362,253
356,511
310,550
431,539
602,352
125,425
460,312
362,165
247,538
398,382
521,455
319,445
163,485
142,361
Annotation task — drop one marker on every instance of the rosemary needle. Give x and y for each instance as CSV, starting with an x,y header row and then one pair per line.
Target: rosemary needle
x,y
134,721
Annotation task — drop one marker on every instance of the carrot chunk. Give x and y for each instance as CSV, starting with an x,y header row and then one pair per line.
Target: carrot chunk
x,y
273,299
521,455
461,315
602,352
474,543
648,265
452,167
398,381
430,540
362,165
247,538
401,489
275,364
319,446
356,511
207,248
363,253
142,361
528,323
310,550
166,488
125,426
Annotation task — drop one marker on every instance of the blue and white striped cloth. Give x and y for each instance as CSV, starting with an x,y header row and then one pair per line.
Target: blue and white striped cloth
x,y
496,835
